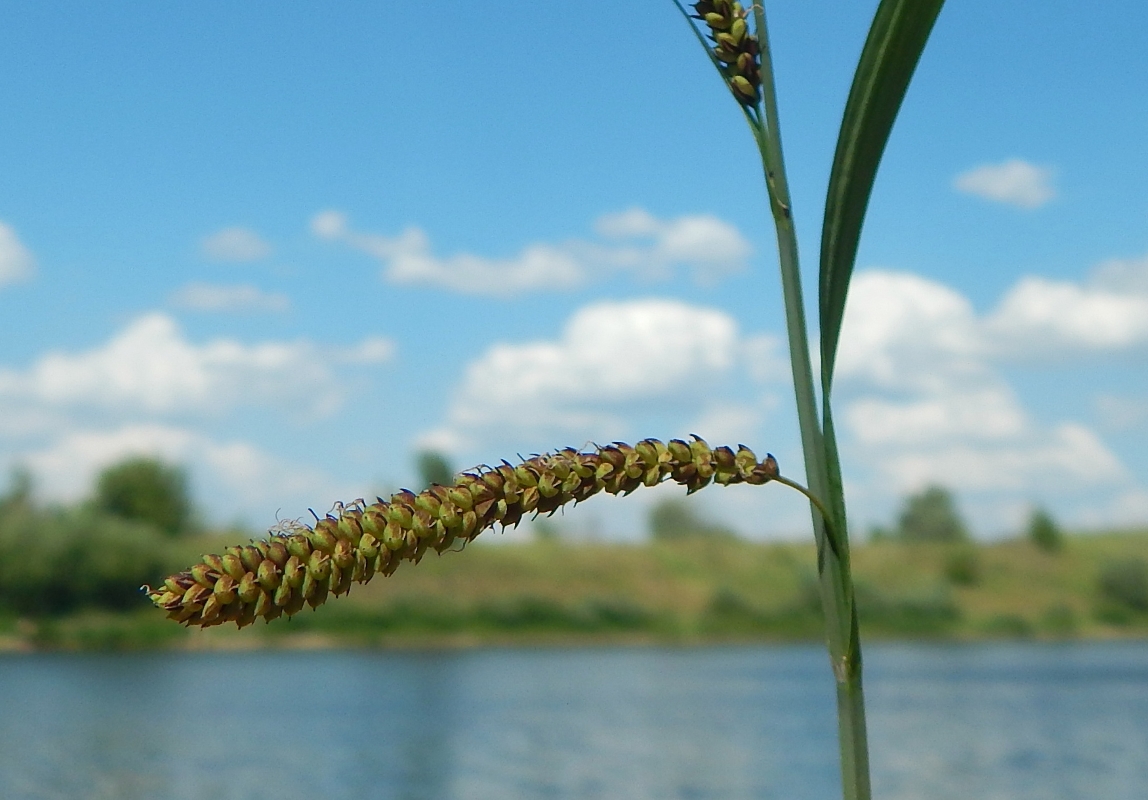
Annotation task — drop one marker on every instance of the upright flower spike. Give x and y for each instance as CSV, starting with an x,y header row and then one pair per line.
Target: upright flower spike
x,y
734,46
301,565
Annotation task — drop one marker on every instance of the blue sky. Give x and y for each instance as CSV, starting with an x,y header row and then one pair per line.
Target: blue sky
x,y
288,247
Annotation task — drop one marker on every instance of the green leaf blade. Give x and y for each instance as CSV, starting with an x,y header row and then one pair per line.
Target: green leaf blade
x,y
896,40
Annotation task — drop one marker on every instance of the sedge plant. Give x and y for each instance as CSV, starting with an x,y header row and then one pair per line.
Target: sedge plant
x,y
302,565
738,46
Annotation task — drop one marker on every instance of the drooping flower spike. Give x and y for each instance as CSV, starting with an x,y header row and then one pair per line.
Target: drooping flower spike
x,y
301,565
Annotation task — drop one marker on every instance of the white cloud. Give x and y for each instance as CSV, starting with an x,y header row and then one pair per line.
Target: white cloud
x,y
16,261
1068,457
22,421
635,241
724,422
1042,318
65,468
234,476
612,357
235,244
982,413
630,224
372,350
237,298
1122,275
149,390
329,224
905,332
150,367
441,440
921,392
1015,182
912,360
1121,413
922,400
710,245
1129,508
764,358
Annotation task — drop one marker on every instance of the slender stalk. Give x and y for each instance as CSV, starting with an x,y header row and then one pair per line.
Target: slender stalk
x,y
819,447
810,496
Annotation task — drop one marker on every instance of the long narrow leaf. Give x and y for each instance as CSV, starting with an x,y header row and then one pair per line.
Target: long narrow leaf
x,y
897,37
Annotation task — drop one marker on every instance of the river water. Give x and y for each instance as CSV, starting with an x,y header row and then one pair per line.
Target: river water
x,y
986,721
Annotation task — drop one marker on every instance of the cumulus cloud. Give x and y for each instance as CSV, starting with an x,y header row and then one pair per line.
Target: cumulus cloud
x,y
906,332
231,299
921,391
1130,508
766,358
1121,413
1122,275
151,367
150,390
923,400
612,357
729,422
16,261
235,244
914,357
673,367
1064,458
65,467
986,412
237,475
1041,317
1055,319
709,245
633,241
1015,182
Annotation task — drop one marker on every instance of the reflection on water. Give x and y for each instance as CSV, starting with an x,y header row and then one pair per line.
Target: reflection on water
x,y
1019,722
995,721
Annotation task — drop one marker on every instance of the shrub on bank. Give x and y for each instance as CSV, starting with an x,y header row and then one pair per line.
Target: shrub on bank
x,y
1123,587
58,560
146,490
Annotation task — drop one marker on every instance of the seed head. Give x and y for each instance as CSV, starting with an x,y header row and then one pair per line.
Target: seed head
x,y
734,46
299,565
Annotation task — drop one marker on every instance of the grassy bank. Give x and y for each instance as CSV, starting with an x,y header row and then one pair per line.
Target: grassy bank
x,y
689,591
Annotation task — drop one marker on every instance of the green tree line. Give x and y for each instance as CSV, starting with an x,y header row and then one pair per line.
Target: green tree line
x,y
125,531
121,535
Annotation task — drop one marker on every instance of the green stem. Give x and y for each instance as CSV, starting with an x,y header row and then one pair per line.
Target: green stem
x,y
810,496
820,451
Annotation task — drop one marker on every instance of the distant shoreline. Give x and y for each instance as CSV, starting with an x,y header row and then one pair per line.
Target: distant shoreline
x,y
11,646
692,592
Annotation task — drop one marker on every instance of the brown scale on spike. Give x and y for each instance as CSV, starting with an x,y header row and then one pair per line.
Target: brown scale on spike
x,y
733,46
300,565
